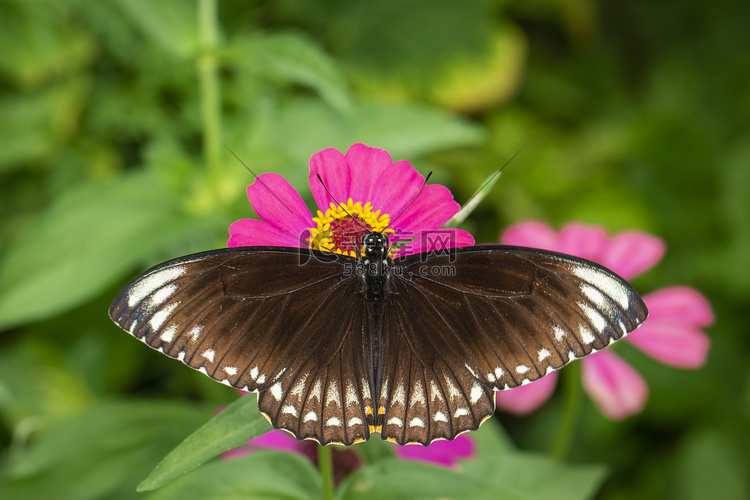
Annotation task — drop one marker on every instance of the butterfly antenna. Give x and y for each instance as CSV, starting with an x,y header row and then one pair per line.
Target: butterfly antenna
x,y
340,205
410,203
259,179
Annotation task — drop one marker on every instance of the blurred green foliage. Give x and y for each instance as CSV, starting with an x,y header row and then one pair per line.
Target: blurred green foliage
x,y
629,113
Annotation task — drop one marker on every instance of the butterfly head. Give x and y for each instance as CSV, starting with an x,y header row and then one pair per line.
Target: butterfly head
x,y
376,246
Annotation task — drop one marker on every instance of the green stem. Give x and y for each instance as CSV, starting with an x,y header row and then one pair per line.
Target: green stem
x,y
325,464
210,100
572,392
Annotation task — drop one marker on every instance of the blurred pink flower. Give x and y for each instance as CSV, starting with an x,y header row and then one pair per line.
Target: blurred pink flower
x,y
673,333
444,453
372,188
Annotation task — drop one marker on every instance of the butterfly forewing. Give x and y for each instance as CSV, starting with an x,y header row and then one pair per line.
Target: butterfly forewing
x,y
514,314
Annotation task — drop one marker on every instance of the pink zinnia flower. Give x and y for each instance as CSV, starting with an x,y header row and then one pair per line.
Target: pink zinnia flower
x,y
673,333
376,191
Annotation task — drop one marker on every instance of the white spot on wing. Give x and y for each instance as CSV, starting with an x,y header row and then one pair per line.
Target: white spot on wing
x,y
195,332
499,372
231,370
315,393
332,394
416,422
594,295
168,334
417,395
261,379
586,335
310,416
146,286
461,412
299,387
351,394
544,354
593,315
522,369
290,410
276,391
209,354
559,333
453,392
398,395
605,283
162,295
161,315
333,422
395,421
254,373
354,421
439,417
476,393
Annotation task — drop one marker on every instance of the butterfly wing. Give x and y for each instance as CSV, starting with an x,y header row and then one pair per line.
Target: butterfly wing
x,y
489,318
281,321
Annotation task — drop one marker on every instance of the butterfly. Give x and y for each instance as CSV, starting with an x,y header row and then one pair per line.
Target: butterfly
x,y
411,347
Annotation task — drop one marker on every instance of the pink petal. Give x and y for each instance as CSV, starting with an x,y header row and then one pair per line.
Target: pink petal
x,y
582,240
356,175
279,204
680,304
535,234
527,398
397,186
617,389
631,253
437,239
430,210
672,344
253,232
445,453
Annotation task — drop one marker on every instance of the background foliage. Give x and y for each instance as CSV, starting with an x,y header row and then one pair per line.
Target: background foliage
x,y
113,116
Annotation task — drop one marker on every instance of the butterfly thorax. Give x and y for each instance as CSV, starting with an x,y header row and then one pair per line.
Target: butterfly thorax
x,y
375,265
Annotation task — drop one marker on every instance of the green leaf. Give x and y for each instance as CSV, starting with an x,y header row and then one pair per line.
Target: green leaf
x,y
402,479
172,25
88,238
237,424
479,195
99,452
264,474
295,58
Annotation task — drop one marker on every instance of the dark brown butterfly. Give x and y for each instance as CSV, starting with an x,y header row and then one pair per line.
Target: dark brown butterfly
x,y
413,347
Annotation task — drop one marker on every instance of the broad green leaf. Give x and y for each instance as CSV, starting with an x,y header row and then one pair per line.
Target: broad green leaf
x,y
172,25
402,480
295,58
262,475
34,125
87,239
237,424
100,452
405,130
40,42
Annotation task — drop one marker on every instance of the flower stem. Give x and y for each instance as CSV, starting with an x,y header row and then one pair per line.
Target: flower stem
x,y
572,393
325,464
210,100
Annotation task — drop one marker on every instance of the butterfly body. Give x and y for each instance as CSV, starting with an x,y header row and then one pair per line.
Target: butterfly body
x,y
412,348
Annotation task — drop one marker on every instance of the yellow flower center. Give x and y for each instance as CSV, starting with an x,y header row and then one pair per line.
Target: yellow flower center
x,y
341,228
